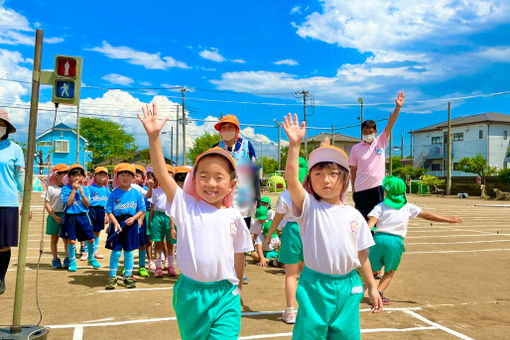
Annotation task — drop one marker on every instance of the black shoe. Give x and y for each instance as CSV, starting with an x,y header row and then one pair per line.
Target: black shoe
x,y
2,287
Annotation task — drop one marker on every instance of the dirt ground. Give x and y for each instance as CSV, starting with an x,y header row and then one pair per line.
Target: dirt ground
x,y
453,282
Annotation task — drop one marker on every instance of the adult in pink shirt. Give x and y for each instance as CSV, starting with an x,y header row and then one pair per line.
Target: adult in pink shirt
x,y
368,162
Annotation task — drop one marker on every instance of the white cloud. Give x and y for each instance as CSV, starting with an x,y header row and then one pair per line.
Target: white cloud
x,y
238,61
212,54
145,83
152,61
290,62
118,79
496,54
295,10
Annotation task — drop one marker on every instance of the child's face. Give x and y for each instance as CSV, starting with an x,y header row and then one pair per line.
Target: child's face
x,y
125,178
60,176
327,182
100,178
261,221
264,204
138,178
75,177
213,181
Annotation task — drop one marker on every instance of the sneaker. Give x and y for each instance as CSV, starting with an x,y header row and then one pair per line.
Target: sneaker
x,y
72,266
2,287
98,256
94,263
159,272
143,272
385,300
289,316
56,263
245,280
111,284
129,283
83,250
152,266
377,275
171,271
84,256
66,263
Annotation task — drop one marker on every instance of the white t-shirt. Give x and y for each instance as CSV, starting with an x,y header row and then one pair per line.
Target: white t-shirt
x,y
283,206
139,188
208,238
393,221
332,236
273,244
54,197
255,227
159,200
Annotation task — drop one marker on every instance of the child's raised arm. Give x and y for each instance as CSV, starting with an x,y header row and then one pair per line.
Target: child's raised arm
x,y
295,134
438,218
153,127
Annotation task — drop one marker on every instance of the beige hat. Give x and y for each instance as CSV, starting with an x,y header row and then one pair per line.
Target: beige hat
x,y
328,153
5,117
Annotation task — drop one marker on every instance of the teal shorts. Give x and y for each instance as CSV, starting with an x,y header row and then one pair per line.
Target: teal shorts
x,y
207,310
147,222
160,227
328,306
291,248
387,252
52,227
270,254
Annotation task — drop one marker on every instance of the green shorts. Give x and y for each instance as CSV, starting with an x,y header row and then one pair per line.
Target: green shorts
x,y
387,252
52,227
160,227
207,310
147,230
270,254
328,306
291,248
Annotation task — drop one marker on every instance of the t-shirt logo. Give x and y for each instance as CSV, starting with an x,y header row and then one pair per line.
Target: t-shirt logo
x,y
354,226
379,151
233,229
117,200
387,187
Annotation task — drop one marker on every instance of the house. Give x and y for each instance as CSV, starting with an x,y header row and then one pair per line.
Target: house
x,y
484,133
339,140
141,157
64,150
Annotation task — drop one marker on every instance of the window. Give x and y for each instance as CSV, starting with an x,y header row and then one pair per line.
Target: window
x,y
436,167
44,144
505,135
436,140
62,146
458,137
480,134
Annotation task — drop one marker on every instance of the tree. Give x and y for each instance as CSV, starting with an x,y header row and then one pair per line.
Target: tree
x,y
504,176
202,144
408,172
431,180
285,150
269,165
145,156
476,165
106,139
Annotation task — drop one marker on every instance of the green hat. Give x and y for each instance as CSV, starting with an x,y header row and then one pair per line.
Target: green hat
x,y
261,213
303,169
395,189
266,200
265,228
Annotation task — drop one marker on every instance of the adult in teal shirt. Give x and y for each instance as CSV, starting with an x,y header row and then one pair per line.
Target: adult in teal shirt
x,y
12,178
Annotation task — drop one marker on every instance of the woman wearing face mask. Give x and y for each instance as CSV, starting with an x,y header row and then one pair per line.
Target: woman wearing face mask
x,y
12,178
368,162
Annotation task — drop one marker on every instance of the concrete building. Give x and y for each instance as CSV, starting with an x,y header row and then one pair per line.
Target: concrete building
x,y
342,141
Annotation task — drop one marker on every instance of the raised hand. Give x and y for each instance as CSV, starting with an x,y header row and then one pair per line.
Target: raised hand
x,y
151,123
294,131
399,101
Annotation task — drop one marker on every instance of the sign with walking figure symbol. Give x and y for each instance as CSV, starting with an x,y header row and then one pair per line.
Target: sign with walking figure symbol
x,y
65,89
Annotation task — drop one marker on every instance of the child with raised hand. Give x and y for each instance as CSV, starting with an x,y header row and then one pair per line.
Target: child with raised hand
x,y
212,239
55,208
335,239
76,221
99,194
124,208
391,217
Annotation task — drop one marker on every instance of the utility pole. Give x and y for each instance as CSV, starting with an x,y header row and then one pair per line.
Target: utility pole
x,y
402,145
360,101
333,134
183,127
177,137
391,154
412,151
305,94
279,143
449,162
172,145
78,134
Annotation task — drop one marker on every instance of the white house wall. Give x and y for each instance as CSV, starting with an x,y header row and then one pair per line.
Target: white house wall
x,y
498,145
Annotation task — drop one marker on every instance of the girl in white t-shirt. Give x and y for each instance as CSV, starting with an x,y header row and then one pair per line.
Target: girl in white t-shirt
x,y
212,239
391,217
335,240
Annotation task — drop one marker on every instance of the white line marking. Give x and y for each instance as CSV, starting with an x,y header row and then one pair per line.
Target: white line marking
x,y
412,329
101,320
443,328
466,242
265,336
454,251
134,290
78,333
454,236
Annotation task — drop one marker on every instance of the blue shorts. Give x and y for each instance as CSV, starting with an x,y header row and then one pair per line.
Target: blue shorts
x,y
77,226
127,239
142,234
97,217
9,217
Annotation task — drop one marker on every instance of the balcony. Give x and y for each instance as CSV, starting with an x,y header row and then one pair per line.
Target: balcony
x,y
434,151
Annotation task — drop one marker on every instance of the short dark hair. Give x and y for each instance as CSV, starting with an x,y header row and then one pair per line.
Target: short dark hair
x,y
76,171
369,124
180,177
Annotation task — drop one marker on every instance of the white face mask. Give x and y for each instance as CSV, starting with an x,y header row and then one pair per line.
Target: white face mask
x,y
228,135
3,131
368,138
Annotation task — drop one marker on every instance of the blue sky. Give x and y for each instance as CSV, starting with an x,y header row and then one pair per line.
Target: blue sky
x,y
237,55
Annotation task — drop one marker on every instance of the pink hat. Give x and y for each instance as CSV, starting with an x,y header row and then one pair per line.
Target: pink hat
x,y
5,117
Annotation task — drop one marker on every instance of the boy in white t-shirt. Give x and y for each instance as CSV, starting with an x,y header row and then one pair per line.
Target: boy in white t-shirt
x,y
335,240
391,218
271,252
212,239
261,217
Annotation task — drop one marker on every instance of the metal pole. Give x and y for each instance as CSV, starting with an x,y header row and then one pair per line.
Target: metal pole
x,y
177,137
402,146
78,134
391,153
172,145
305,93
333,134
279,145
360,101
29,172
183,127
412,146
449,162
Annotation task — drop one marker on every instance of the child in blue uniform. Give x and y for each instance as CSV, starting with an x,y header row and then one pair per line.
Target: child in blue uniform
x,y
335,240
147,186
99,194
76,222
124,208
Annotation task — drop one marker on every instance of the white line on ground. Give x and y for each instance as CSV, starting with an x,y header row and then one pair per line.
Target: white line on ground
x,y
412,329
455,236
443,328
134,290
78,333
466,242
455,251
